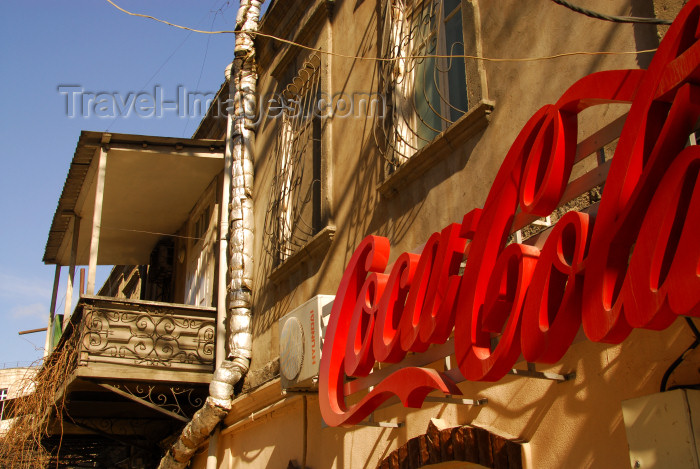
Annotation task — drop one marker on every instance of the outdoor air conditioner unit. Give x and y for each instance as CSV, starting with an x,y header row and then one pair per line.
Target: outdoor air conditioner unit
x,y
663,430
301,341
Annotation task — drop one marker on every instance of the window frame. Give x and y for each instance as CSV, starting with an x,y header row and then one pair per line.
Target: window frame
x,y
201,252
309,131
3,398
442,66
398,144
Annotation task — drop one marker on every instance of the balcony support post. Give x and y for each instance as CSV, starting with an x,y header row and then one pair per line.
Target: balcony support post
x,y
221,306
71,271
48,345
97,216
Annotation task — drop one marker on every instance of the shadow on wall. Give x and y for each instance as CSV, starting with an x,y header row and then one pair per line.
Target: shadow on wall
x,y
589,408
274,300
646,36
361,182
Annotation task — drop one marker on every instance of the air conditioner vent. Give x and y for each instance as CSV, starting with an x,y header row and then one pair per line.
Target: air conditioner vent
x,y
301,341
291,348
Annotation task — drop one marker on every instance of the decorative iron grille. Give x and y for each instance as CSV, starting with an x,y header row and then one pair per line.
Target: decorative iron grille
x,y
424,83
293,215
152,337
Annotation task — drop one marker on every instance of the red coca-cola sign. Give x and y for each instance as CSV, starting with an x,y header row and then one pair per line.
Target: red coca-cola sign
x,y
634,264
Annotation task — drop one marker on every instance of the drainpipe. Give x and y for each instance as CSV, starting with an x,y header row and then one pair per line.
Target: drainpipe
x,y
240,139
221,309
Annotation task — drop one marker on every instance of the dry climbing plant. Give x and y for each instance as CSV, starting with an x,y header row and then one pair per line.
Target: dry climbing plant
x,y
41,406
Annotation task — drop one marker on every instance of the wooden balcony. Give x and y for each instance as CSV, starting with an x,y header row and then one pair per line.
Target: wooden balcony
x,y
138,371
144,340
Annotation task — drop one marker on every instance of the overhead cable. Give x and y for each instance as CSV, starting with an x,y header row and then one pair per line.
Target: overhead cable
x,y
679,360
384,59
614,19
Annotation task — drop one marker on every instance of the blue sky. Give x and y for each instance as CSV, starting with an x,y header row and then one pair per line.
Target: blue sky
x,y
89,44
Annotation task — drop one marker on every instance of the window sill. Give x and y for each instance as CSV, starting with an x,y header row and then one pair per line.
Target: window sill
x,y
467,126
314,250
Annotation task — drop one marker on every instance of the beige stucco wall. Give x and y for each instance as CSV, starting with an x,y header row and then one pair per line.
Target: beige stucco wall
x,y
17,381
573,424
510,28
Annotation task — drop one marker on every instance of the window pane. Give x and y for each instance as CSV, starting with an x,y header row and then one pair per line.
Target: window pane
x,y
456,74
450,5
294,211
427,98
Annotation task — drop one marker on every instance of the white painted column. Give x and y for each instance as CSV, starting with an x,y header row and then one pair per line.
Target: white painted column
x,y
71,271
48,345
97,219
212,456
221,306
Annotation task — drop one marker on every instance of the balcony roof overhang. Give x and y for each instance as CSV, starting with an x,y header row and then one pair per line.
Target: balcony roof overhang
x,y
150,186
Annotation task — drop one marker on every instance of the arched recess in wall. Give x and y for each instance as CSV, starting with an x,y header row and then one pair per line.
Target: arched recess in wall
x,y
440,446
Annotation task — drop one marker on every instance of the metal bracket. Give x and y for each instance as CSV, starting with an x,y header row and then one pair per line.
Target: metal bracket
x,y
299,392
532,372
144,402
448,399
546,222
456,400
371,423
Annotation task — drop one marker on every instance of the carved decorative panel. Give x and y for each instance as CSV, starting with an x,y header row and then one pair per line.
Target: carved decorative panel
x,y
148,335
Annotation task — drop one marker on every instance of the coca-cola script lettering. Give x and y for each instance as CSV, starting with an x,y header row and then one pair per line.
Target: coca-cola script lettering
x,y
636,264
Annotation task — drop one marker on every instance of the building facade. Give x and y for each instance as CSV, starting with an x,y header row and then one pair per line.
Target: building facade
x,y
14,382
401,149
415,161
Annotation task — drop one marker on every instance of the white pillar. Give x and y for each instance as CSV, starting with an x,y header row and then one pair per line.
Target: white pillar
x,y
212,456
221,306
71,270
97,219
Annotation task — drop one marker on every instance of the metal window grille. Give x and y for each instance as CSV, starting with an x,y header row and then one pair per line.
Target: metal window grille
x,y
3,397
293,214
427,93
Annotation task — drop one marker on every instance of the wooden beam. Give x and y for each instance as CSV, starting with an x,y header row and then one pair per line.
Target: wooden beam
x,y
48,344
106,435
97,219
32,331
82,281
144,374
155,149
254,401
600,138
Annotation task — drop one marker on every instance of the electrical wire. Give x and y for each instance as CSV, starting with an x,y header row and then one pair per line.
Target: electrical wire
x,y
614,19
201,71
143,87
385,59
150,233
679,360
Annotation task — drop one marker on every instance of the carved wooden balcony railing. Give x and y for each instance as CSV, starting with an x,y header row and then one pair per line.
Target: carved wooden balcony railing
x,y
143,340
